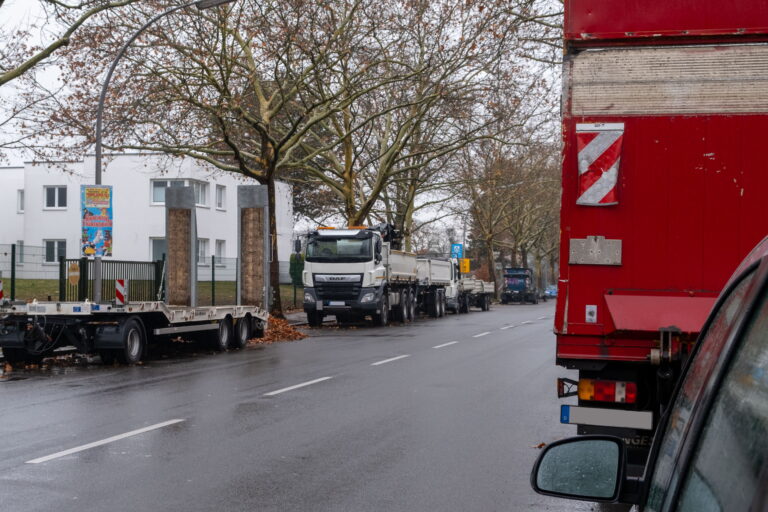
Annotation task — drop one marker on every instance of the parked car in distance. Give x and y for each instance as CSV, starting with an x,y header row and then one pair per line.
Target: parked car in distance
x,y
550,291
709,451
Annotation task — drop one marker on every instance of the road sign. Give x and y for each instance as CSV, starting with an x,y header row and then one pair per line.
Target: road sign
x,y
464,262
457,250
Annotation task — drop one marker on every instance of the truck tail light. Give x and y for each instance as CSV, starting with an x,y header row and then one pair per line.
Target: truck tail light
x,y
608,391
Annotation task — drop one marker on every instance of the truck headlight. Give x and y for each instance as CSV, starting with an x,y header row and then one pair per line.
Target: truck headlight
x,y
368,297
309,298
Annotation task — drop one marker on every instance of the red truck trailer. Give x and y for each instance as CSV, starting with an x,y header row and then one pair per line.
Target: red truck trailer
x,y
665,190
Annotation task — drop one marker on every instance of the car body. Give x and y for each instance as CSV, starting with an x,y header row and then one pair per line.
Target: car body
x,y
550,291
709,451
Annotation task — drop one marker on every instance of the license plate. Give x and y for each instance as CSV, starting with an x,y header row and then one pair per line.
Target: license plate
x,y
336,303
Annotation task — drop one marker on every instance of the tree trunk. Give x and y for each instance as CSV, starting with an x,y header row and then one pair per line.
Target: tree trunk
x,y
276,308
491,266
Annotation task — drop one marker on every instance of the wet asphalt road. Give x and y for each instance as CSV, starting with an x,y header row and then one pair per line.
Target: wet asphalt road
x,y
447,428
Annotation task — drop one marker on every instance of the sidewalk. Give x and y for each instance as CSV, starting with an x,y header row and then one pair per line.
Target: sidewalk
x,y
296,317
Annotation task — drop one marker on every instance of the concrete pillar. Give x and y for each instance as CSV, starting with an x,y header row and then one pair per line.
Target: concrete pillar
x,y
253,238
181,238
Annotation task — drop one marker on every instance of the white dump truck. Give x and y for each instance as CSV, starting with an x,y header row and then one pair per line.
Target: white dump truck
x,y
354,273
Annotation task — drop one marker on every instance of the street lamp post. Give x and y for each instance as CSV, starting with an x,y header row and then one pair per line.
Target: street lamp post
x,y
200,4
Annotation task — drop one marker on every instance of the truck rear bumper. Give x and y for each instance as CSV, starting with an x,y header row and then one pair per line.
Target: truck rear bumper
x,y
574,415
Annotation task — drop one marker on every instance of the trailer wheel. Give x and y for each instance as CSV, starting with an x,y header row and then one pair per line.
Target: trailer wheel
x,y
382,319
222,337
134,342
244,333
15,355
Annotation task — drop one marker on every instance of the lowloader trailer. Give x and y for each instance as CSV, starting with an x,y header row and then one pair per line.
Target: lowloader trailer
x,y
29,332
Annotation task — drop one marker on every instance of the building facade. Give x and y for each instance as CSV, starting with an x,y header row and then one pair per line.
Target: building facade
x,y
40,207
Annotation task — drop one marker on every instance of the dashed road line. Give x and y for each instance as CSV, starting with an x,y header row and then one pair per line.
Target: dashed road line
x,y
446,344
104,441
542,318
481,334
390,360
526,322
297,386
508,327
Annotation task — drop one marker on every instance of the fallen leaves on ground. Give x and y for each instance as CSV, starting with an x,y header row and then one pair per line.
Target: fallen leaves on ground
x,y
279,330
539,446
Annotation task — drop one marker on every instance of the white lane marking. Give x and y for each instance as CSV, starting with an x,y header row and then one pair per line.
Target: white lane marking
x,y
507,327
390,360
104,441
541,318
297,386
481,334
526,322
446,344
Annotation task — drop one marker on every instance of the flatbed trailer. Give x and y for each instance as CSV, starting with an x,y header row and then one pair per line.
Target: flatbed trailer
x,y
31,331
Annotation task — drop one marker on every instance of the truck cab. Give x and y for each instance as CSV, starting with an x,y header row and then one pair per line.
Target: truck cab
x,y
344,271
519,286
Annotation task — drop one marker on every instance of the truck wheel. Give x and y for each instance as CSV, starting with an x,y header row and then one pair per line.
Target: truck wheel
x,y
440,304
222,337
411,306
315,319
402,308
382,319
134,342
244,333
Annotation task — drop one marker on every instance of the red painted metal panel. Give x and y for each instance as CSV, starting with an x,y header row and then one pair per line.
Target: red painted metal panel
x,y
652,312
589,20
691,204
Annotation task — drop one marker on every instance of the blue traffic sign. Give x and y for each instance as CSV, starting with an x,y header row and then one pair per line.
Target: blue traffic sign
x,y
457,250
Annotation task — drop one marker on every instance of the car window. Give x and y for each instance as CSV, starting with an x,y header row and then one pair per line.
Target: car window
x,y
733,450
665,474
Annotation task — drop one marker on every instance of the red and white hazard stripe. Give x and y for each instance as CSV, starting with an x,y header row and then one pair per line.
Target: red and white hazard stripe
x,y
1,290
599,155
120,292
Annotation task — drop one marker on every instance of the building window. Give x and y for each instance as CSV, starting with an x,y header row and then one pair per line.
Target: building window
x,y
54,249
20,201
202,250
201,193
221,197
55,197
221,250
159,186
159,248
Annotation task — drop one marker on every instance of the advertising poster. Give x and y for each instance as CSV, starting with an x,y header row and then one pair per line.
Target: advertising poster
x,y
96,208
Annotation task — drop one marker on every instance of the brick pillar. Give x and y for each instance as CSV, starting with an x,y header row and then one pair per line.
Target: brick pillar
x,y
253,237
181,238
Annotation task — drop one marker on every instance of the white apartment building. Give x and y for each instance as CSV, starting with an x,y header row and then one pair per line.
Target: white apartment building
x,y
40,206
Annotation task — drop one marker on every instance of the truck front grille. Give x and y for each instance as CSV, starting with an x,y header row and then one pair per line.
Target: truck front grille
x,y
337,291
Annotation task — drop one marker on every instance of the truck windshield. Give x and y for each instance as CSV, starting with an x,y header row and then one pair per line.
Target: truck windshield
x,y
339,250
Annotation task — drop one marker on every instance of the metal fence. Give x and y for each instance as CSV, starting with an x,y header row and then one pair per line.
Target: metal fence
x,y
216,281
29,272
143,280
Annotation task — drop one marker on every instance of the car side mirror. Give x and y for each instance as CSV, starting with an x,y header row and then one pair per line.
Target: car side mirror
x,y
297,246
587,468
377,251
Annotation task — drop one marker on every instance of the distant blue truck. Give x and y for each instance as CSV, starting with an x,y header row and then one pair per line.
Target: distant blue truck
x,y
519,286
